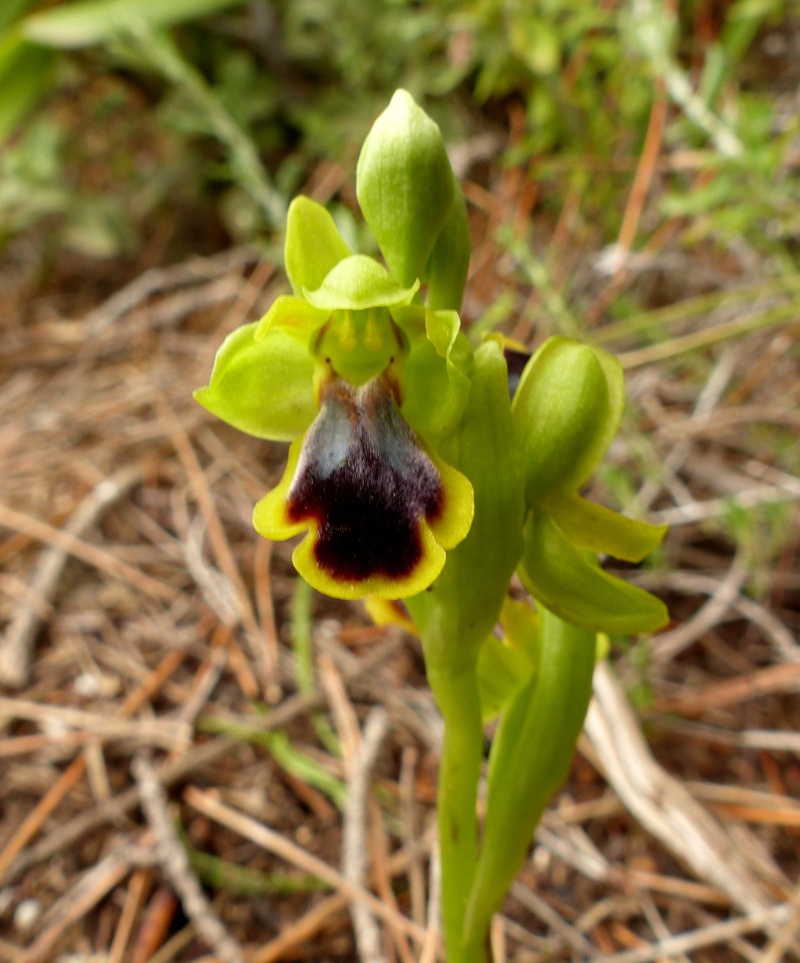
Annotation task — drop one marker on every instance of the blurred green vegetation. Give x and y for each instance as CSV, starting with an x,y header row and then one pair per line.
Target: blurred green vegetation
x,y
114,110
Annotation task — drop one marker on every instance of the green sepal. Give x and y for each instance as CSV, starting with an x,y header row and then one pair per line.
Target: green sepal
x,y
598,529
294,316
436,372
261,387
570,583
567,410
506,665
460,609
448,266
359,282
404,185
313,244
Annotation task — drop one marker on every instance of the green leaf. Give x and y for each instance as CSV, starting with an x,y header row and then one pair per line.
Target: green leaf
x,y
530,758
313,244
261,387
598,529
25,74
97,21
566,411
436,373
404,185
573,586
358,282
11,10
449,262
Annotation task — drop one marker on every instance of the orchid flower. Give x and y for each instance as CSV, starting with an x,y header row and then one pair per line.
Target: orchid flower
x,y
414,473
365,382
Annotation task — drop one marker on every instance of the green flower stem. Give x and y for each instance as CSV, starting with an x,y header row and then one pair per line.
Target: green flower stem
x,y
304,662
530,759
459,771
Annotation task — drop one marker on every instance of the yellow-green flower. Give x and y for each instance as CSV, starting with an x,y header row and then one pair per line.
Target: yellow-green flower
x,y
364,384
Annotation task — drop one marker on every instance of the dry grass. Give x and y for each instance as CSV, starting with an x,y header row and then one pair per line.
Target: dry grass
x,y
137,604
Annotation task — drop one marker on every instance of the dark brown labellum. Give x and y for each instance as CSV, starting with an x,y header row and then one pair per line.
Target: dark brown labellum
x,y
366,482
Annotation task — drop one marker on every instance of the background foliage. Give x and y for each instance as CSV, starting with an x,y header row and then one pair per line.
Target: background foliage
x,y
138,132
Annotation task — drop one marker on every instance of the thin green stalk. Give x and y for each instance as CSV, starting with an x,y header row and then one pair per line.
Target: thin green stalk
x,y
162,55
459,771
302,646
693,307
782,314
530,759
245,881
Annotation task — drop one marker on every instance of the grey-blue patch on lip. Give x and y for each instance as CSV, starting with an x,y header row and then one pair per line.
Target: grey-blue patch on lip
x,y
364,479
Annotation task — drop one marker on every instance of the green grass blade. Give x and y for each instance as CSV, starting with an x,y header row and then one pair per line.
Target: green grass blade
x,y
83,24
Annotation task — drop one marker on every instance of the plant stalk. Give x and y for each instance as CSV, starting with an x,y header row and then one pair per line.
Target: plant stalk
x,y
459,772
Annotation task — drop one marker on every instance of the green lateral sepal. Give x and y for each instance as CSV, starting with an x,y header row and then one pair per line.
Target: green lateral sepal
x,y
570,583
261,387
598,529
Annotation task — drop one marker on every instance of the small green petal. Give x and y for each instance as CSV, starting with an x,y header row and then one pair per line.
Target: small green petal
x,y
566,412
294,317
598,529
313,244
261,387
436,373
359,282
404,185
574,587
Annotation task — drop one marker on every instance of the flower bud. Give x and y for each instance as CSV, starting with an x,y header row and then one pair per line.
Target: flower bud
x,y
566,410
404,185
